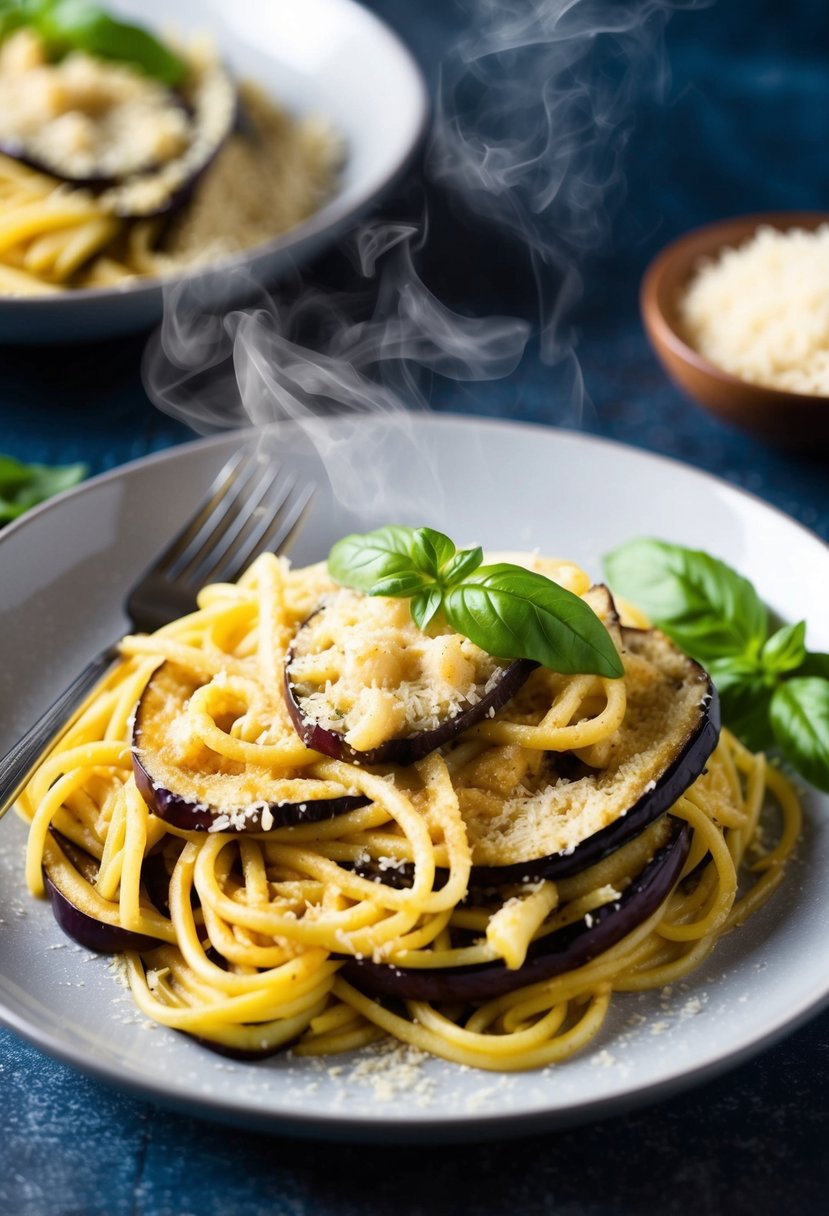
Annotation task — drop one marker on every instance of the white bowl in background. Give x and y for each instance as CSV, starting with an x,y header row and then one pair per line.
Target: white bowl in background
x,y
330,58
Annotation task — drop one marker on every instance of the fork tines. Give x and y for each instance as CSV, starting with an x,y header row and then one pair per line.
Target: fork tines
x,y
252,506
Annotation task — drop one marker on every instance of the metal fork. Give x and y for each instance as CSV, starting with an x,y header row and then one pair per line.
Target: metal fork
x,y
248,510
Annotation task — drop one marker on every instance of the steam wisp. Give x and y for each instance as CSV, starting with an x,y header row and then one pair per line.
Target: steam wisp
x,y
533,111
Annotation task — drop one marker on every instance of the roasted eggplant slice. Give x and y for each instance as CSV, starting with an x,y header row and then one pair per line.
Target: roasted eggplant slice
x,y
212,110
363,683
69,875
195,790
549,955
573,810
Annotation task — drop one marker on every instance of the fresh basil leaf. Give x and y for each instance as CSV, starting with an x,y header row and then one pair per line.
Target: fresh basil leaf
x,y
708,609
82,25
431,550
814,664
733,669
744,699
515,613
25,485
425,606
13,473
462,564
507,610
800,721
12,17
785,650
362,559
399,586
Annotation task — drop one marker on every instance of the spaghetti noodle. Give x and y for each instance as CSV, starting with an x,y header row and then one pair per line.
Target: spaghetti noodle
x,y
254,939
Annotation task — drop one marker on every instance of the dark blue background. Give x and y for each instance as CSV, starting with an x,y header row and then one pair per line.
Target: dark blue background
x,y
739,127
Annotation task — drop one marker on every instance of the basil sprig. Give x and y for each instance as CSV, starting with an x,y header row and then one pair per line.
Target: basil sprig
x,y
25,485
82,25
773,690
510,612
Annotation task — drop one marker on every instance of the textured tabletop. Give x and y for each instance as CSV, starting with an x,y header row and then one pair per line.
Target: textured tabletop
x,y
702,110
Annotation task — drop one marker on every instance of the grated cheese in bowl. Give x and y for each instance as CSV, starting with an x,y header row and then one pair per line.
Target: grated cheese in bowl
x,y
760,311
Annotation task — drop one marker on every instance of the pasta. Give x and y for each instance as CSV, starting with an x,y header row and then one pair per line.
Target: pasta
x,y
253,940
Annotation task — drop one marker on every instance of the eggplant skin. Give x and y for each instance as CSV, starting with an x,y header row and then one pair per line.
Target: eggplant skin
x,y
559,952
189,816
409,748
681,774
90,933
80,925
190,812
687,764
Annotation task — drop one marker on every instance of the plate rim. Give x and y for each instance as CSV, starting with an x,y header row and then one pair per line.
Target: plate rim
x,y
432,417
381,1128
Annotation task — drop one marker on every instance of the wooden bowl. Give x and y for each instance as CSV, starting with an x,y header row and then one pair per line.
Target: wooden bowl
x,y
796,421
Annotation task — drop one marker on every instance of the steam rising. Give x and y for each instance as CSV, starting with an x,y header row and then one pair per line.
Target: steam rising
x,y
216,370
532,114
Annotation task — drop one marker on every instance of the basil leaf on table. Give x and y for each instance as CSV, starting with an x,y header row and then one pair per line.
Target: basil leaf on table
x,y
772,689
25,485
708,609
800,721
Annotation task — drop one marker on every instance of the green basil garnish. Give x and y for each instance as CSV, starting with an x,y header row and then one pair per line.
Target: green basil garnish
x,y
82,25
510,612
712,611
361,561
800,720
772,689
25,485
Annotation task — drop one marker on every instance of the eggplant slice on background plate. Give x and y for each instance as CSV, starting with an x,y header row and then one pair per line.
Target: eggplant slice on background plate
x,y
137,142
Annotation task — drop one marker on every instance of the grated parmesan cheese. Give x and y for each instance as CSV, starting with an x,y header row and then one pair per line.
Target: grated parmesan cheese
x,y
760,311
362,668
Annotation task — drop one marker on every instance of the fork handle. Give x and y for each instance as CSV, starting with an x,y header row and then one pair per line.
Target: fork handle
x,y
17,766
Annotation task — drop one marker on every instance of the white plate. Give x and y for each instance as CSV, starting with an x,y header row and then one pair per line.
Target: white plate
x,y
330,58
63,571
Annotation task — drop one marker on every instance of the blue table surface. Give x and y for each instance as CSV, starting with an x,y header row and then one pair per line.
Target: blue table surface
x,y
721,112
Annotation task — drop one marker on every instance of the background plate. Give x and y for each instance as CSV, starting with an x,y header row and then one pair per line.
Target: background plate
x,y
63,571
330,58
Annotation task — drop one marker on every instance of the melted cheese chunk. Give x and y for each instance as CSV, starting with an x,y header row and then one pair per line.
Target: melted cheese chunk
x,y
362,668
